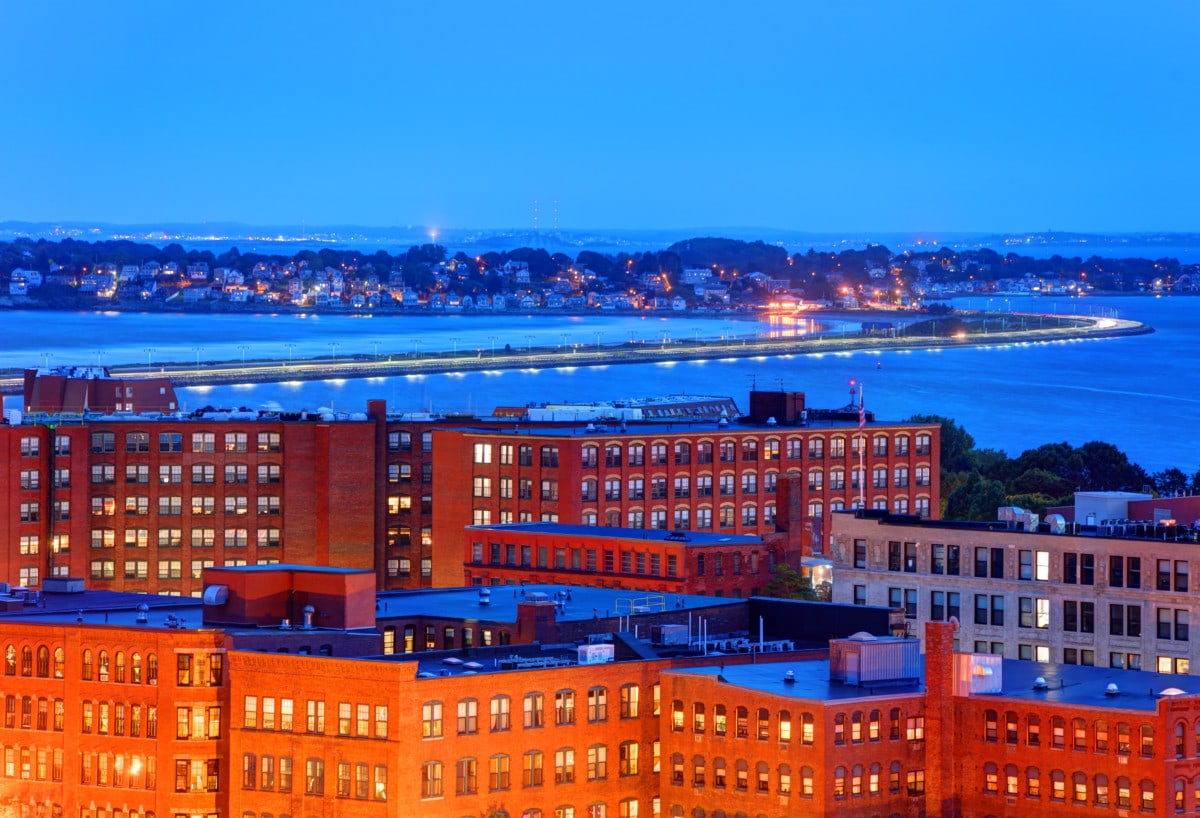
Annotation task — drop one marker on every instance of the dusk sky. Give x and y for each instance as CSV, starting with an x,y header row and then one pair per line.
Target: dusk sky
x,y
824,117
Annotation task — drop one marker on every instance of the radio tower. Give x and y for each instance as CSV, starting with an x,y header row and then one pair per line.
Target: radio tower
x,y
556,216
535,216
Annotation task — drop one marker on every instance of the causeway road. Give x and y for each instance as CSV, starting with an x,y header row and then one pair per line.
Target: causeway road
x,y
1013,328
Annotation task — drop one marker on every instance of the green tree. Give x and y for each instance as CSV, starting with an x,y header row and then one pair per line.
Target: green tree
x,y
956,445
788,583
976,499
1039,481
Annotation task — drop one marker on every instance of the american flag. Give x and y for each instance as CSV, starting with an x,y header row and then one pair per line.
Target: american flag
x,y
862,412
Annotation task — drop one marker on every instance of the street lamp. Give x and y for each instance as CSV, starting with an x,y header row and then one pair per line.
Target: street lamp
x,y
454,341
243,348
333,345
529,343
563,338
597,342
375,344
416,347
492,338
291,348
197,350
149,353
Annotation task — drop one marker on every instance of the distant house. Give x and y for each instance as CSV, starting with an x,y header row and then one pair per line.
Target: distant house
x,y
679,303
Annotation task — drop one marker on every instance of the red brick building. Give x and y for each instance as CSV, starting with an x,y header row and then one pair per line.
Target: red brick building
x,y
76,390
146,714
146,502
636,559
719,477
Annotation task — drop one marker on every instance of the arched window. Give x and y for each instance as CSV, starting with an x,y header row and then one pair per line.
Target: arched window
x,y
1033,782
677,715
763,724
1079,788
873,785
807,729
86,673
989,725
894,778
102,666
785,726
762,777
719,773
873,726
119,675
1100,734
1147,740
26,661
991,778
1033,731
806,782
1010,727
1058,785
839,782
1011,781
1123,746
677,769
1124,793
785,779
60,660
1058,730
43,661
742,722
1101,790
1180,795
10,660
742,776
856,780
1079,735
1147,788
839,729
856,734
698,716
1180,739
698,776
720,721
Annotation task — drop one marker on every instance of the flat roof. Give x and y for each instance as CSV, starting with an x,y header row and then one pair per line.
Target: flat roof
x,y
1087,686
509,426
691,538
1067,685
581,602
812,681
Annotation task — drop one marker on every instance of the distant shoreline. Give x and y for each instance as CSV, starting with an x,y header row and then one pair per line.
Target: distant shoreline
x,y
363,366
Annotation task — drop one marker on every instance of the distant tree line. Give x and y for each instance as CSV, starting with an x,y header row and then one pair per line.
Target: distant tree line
x,y
976,482
816,275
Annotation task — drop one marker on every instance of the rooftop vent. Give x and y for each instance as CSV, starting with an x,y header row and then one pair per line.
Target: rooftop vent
x,y
485,596
1167,691
789,677
1112,689
1040,683
771,421
143,613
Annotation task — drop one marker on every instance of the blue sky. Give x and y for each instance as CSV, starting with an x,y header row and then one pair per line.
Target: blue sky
x,y
829,117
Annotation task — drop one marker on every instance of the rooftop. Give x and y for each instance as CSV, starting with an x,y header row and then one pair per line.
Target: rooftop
x,y
811,681
1075,685
579,602
689,538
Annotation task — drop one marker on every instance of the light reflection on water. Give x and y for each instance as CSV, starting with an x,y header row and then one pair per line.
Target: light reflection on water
x,y
1131,392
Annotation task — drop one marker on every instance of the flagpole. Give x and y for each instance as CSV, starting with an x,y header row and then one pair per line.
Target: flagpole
x,y
862,449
